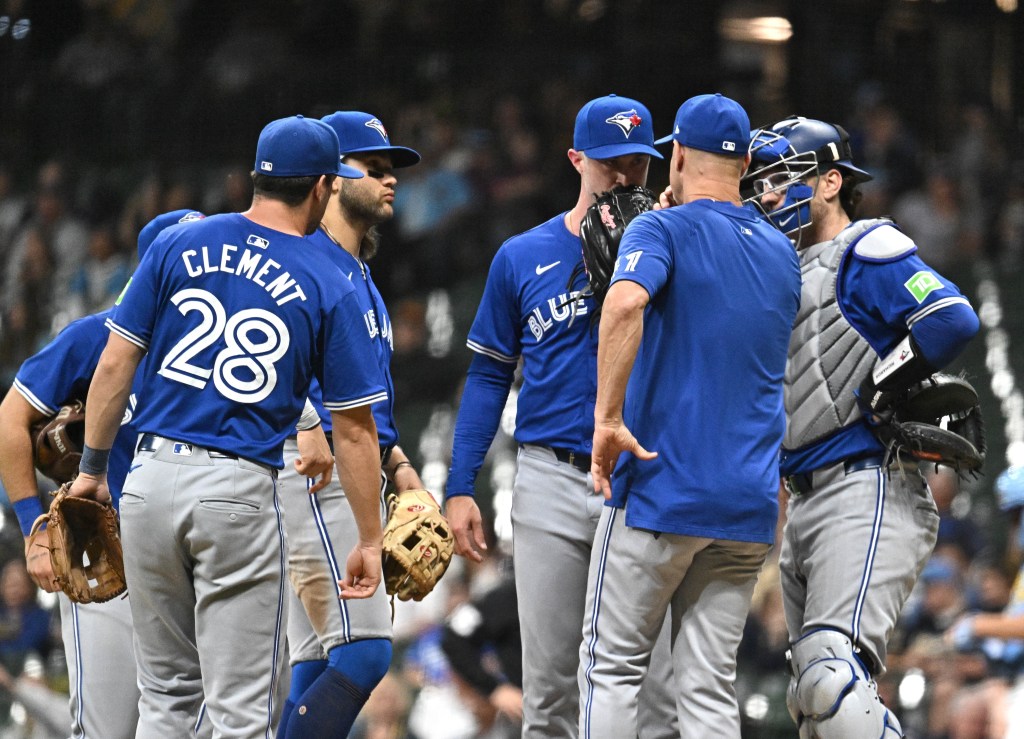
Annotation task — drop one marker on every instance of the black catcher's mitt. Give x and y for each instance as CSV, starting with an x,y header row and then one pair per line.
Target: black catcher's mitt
x,y
602,229
937,420
58,442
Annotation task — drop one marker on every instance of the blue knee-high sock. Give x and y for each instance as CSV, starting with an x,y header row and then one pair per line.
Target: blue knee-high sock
x,y
330,705
304,674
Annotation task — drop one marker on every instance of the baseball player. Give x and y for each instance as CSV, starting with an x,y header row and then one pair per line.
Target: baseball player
x,y
689,523
339,649
858,530
527,311
235,311
97,636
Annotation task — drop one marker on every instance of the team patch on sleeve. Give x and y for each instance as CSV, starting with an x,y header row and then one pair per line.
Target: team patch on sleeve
x,y
922,284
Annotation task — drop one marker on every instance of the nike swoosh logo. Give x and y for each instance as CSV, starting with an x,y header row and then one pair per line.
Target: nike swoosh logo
x,y
787,220
542,270
134,467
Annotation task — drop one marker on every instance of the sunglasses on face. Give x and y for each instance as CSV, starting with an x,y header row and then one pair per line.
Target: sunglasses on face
x,y
772,182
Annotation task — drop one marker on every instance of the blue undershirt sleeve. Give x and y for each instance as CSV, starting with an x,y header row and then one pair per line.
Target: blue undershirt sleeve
x,y
942,335
483,399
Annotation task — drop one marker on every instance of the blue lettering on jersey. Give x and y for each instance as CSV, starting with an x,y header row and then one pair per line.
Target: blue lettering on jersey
x,y
283,287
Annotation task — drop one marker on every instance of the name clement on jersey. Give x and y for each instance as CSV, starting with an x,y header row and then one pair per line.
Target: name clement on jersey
x,y
250,265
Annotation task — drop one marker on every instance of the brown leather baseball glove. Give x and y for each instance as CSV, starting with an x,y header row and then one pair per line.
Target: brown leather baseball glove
x,y
418,545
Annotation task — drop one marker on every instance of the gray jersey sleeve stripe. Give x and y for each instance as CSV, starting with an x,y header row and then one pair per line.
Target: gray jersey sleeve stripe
x,y
480,349
368,400
936,306
32,399
126,335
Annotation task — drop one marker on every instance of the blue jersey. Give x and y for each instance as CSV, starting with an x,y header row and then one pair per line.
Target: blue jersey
x,y
706,389
528,310
236,318
882,300
378,325
61,373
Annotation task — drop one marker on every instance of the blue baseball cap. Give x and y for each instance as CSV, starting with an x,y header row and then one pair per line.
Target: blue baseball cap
x,y
611,126
300,147
712,123
362,132
152,229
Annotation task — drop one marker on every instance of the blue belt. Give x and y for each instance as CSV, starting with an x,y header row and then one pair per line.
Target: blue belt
x,y
803,482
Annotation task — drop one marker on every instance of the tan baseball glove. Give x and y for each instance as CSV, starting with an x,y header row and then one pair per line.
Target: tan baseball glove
x,y
418,545
85,547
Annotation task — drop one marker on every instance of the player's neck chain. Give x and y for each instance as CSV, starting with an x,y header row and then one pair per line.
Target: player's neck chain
x,y
333,238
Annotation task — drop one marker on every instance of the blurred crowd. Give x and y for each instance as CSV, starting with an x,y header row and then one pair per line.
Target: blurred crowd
x,y
493,164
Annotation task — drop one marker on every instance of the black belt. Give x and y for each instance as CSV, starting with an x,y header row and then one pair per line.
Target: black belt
x,y
579,460
803,482
148,443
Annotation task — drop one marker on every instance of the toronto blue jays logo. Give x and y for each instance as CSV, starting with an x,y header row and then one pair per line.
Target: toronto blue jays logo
x,y
626,120
377,126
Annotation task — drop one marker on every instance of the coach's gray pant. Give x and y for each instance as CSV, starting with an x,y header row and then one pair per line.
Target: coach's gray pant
x,y
705,585
555,513
205,562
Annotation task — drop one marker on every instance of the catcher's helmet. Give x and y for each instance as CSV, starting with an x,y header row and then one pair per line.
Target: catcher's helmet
x,y
777,167
829,142
1010,488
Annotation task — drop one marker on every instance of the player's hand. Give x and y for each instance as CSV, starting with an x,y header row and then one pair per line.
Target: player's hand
x,y
37,560
90,486
463,516
363,572
666,199
315,458
508,700
611,438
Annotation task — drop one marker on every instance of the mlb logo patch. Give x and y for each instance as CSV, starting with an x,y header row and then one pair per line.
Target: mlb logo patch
x,y
267,166
182,449
259,241
728,146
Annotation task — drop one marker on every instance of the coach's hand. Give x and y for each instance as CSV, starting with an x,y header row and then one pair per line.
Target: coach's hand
x,y
363,572
463,516
611,438
315,458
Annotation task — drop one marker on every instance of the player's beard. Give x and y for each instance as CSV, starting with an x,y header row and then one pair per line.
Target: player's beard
x,y
357,205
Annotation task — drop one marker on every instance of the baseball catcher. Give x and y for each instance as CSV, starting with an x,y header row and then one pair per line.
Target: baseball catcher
x,y
58,442
418,545
601,231
85,547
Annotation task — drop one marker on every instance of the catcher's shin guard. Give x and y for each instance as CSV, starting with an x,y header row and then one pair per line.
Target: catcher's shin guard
x,y
831,694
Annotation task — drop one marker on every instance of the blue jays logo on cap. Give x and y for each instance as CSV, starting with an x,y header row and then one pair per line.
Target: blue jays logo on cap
x,y
602,123
377,126
627,121
362,133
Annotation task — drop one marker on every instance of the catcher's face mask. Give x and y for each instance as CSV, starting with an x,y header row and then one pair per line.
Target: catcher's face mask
x,y
777,181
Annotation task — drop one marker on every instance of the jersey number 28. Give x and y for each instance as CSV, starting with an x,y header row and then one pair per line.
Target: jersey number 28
x,y
243,370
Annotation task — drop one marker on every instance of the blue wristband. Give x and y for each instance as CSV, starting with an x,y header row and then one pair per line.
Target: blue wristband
x,y
27,510
94,461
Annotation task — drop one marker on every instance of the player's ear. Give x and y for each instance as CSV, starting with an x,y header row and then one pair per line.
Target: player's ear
x,y
678,154
576,158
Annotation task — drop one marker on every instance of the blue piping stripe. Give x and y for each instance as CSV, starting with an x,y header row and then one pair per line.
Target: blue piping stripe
x,y
34,401
332,561
599,587
79,682
282,546
199,721
869,562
